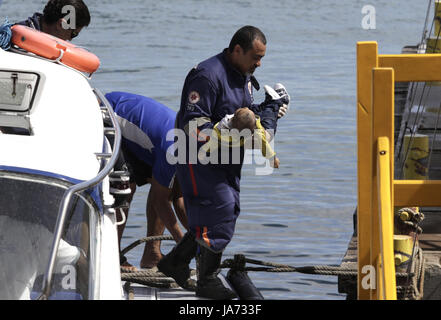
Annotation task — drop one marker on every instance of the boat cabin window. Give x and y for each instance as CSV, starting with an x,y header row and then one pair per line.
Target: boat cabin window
x,y
17,90
17,93
28,213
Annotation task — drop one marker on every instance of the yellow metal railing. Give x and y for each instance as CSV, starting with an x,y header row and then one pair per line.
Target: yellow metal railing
x,y
386,282
378,192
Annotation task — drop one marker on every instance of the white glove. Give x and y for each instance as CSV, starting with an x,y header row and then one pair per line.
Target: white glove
x,y
283,94
226,122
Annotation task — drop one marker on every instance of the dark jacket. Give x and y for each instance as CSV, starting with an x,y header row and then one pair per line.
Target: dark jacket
x,y
213,89
33,22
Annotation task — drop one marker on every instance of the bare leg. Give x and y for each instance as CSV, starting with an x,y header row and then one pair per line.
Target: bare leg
x,y
155,227
178,204
160,210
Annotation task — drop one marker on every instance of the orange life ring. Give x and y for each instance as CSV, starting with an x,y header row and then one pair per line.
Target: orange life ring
x,y
53,48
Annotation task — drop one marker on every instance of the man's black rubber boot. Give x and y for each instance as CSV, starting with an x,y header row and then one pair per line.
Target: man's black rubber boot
x,y
176,263
209,285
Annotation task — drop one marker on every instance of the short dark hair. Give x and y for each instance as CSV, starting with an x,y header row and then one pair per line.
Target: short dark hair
x,y
245,37
52,12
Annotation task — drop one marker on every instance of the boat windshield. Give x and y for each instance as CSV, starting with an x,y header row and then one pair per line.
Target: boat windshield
x,y
28,213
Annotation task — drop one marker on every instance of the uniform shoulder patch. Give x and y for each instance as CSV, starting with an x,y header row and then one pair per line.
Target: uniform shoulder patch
x,y
194,97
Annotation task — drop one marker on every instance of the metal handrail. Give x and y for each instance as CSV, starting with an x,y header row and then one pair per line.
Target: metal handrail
x,y
62,212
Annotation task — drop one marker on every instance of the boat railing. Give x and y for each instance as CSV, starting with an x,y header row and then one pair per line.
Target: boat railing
x,y
378,192
69,193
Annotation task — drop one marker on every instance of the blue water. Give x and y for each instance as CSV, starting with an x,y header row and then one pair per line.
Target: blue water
x,y
302,213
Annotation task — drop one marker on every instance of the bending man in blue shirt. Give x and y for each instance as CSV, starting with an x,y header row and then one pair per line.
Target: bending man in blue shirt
x,y
212,92
144,125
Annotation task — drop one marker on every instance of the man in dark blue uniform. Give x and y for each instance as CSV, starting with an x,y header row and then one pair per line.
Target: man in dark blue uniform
x,y
213,91
51,21
144,125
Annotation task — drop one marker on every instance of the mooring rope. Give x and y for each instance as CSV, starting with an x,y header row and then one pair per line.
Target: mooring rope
x,y
238,263
155,278
147,277
142,240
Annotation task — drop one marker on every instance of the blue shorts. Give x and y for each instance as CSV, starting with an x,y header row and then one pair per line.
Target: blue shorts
x,y
140,172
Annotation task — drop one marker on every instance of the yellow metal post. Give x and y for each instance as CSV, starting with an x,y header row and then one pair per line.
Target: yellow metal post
x,y
382,126
367,59
387,288
380,293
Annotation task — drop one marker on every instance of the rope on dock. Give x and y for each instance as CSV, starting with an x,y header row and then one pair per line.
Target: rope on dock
x,y
142,240
151,281
155,278
239,261
152,278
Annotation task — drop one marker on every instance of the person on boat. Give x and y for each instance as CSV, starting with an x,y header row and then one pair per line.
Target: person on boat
x,y
144,125
54,16
212,91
